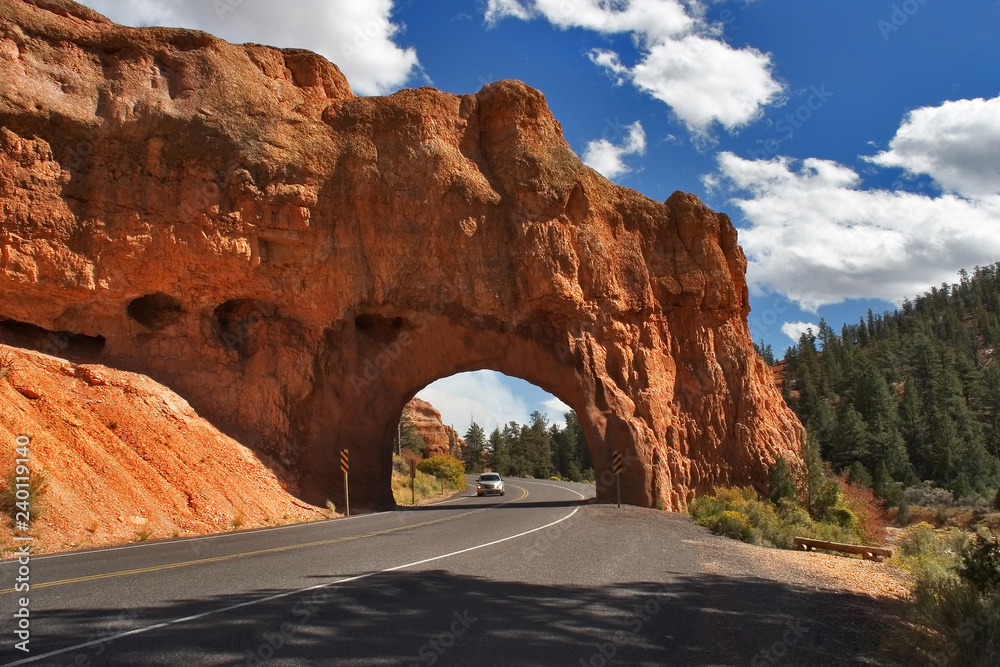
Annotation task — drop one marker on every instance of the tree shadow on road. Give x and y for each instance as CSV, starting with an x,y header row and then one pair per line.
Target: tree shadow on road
x,y
440,618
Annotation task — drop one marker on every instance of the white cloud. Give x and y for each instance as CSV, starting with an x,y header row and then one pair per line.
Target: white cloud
x,y
819,237
606,157
682,62
491,399
556,411
357,36
499,9
481,396
957,144
794,330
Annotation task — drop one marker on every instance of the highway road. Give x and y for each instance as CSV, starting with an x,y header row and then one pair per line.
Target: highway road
x,y
540,576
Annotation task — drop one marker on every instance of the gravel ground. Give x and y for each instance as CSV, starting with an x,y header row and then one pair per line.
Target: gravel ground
x,y
809,569
812,570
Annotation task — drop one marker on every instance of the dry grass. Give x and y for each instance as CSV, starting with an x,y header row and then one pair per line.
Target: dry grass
x,y
6,364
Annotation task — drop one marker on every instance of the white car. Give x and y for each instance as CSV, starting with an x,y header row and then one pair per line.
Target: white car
x,y
489,482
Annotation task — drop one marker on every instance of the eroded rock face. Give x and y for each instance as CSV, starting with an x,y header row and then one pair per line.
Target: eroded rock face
x,y
438,438
128,459
298,262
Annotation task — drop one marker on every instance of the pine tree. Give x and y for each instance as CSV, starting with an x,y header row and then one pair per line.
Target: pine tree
x,y
475,443
519,462
874,401
780,482
990,408
574,433
852,440
815,475
499,450
884,486
538,446
858,475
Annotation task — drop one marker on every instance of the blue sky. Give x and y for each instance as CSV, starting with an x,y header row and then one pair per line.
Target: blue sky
x,y
856,144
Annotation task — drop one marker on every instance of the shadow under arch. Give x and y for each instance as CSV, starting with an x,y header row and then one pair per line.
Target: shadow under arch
x,y
378,361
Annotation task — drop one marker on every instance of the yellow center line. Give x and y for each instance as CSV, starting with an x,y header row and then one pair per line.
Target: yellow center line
x,y
216,559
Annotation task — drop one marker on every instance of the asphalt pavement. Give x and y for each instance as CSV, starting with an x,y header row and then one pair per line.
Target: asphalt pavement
x,y
540,576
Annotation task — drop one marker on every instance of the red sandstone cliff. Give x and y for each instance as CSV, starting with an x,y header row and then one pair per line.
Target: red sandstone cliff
x,y
128,459
298,262
439,439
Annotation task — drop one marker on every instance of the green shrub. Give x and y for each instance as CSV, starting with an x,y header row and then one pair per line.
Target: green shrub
x,y
885,487
825,500
961,627
705,508
777,524
736,495
424,486
768,528
957,609
928,495
980,564
444,466
920,539
780,482
845,518
735,525
794,514
903,513
931,556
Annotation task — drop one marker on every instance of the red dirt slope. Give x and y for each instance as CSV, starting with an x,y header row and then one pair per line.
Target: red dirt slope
x,y
127,459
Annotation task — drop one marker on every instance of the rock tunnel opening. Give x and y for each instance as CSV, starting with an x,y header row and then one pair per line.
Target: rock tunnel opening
x,y
365,382
496,422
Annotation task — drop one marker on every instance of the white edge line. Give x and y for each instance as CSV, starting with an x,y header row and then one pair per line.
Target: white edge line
x,y
121,635
199,538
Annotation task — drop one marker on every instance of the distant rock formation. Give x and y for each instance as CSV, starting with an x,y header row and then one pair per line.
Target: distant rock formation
x,y
439,439
299,262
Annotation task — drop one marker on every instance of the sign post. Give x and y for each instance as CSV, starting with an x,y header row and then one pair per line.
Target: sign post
x,y
616,465
345,465
413,481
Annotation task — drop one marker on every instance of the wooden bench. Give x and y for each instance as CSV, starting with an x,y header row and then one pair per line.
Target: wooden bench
x,y
868,553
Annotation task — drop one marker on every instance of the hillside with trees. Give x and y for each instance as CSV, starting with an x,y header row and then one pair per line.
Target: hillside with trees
x,y
908,396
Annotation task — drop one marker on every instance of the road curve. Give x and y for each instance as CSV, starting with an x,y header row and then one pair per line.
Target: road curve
x,y
537,577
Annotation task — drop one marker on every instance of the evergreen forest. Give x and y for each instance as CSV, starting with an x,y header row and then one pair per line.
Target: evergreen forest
x,y
909,396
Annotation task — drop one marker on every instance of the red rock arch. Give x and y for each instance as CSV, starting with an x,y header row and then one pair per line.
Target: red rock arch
x,y
233,221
